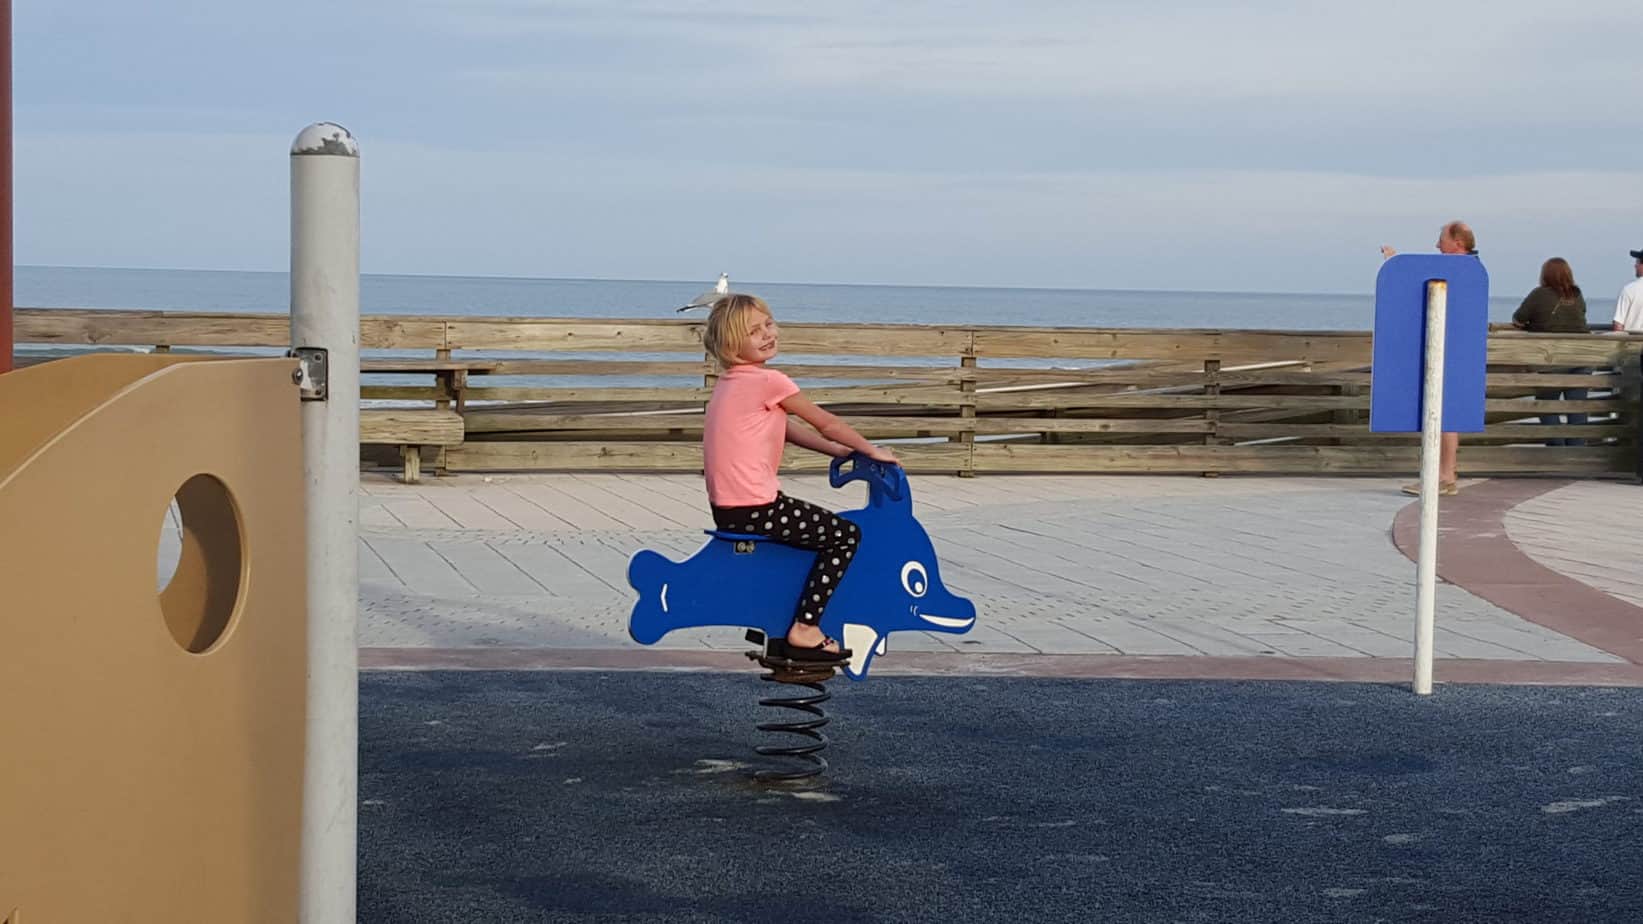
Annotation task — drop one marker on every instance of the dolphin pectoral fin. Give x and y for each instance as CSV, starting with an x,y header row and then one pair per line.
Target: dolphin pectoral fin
x,y
861,640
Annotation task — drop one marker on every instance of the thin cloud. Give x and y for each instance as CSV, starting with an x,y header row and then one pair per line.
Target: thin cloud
x,y
1272,146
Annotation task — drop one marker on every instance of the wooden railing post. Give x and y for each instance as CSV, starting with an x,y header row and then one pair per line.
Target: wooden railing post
x,y
1637,419
443,402
449,389
1212,415
967,410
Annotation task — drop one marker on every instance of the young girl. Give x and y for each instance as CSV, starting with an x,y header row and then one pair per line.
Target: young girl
x,y
742,439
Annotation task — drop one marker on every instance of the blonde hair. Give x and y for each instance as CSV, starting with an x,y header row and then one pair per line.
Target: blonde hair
x,y
727,325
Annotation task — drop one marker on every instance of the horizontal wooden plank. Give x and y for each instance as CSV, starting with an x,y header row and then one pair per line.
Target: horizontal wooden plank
x,y
485,420
1516,347
1174,345
150,328
471,366
419,427
1528,431
388,332
1522,400
697,368
652,335
694,368
686,457
992,457
205,329
856,394
926,395
1535,406
1141,376
562,334
1069,398
536,394
481,421
1079,399
950,375
1554,380
401,393
875,339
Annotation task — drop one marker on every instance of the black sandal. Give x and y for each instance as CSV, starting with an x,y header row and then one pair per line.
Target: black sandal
x,y
779,648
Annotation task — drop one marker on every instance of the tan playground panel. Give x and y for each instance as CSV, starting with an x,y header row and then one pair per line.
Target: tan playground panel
x,y
153,741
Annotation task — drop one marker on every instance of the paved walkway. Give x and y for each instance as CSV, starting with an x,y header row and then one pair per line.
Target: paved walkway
x,y
1229,572
1589,531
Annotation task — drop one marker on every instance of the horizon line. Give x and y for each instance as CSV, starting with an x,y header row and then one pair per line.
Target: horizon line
x,y
687,282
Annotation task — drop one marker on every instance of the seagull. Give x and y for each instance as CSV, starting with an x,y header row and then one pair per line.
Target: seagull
x,y
719,290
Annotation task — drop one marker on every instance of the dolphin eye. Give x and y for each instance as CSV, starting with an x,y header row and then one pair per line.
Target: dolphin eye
x,y
913,579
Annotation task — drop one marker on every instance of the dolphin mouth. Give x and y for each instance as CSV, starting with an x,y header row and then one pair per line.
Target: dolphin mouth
x,y
863,642
946,622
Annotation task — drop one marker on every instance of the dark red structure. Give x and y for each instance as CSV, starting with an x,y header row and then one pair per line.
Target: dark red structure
x,y
5,186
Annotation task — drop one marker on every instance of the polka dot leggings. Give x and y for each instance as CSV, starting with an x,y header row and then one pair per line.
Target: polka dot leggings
x,y
806,526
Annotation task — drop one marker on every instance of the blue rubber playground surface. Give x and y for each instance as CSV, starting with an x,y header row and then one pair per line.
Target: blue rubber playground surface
x,y
626,796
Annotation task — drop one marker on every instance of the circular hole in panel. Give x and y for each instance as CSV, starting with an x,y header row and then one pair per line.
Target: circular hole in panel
x,y
199,598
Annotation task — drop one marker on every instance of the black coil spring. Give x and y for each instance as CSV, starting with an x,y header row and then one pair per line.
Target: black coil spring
x,y
807,753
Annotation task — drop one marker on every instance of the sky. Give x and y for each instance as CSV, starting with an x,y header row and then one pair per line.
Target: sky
x,y
1271,147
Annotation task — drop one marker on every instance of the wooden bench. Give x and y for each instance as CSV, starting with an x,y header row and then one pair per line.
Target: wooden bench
x,y
410,429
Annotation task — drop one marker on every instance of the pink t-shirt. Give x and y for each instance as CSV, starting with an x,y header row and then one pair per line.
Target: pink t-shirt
x,y
743,435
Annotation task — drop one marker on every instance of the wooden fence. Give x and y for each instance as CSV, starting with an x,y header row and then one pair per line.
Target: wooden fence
x,y
964,399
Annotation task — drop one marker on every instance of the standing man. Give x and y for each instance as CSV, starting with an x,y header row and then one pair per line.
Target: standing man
x,y
1455,237
1628,312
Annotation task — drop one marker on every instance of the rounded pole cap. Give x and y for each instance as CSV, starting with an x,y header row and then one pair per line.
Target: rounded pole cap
x,y
325,138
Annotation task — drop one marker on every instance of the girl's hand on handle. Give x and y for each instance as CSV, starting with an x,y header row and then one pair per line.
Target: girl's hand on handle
x,y
880,454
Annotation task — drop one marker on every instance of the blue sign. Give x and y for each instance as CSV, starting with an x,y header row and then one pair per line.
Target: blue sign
x,y
1400,342
892,585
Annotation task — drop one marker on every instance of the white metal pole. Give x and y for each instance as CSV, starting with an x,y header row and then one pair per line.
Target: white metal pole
x,y
325,317
1426,564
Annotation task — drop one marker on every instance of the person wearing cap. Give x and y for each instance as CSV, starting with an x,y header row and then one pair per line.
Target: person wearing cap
x,y
1628,312
1456,237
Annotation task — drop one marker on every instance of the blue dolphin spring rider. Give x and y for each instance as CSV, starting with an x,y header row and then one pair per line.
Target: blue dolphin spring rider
x,y
735,579
893,585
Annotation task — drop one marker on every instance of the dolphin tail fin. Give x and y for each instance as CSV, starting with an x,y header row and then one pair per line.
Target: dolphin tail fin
x,y
648,573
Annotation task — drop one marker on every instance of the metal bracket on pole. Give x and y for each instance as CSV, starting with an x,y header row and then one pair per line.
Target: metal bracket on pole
x,y
311,376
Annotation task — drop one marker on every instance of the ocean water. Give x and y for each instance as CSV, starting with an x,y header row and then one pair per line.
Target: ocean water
x,y
199,290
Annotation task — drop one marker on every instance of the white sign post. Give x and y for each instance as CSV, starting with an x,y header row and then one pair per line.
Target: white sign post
x,y
1426,563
